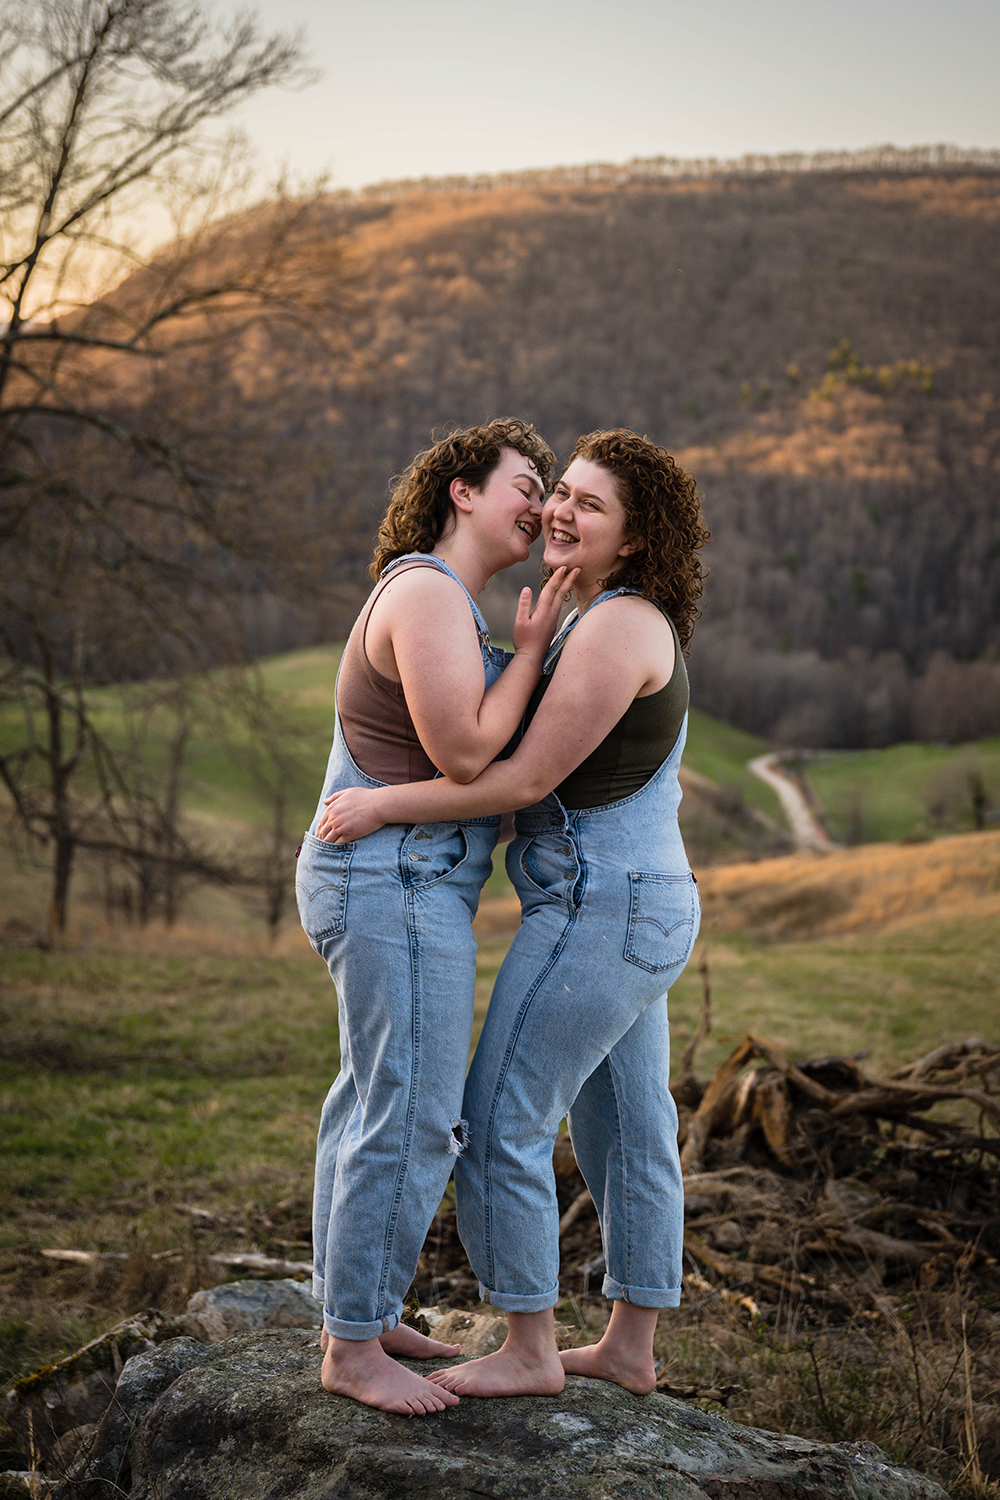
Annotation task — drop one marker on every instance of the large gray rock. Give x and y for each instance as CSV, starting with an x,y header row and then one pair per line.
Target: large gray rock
x,y
248,1420
54,1409
240,1306
104,1468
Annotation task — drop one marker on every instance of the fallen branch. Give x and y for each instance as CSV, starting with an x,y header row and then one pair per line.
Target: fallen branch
x,y
263,1264
732,1269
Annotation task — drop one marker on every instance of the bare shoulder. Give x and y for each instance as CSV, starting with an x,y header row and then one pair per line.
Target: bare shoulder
x,y
423,588
625,615
627,638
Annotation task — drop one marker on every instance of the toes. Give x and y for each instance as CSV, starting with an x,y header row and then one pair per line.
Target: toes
x,y
439,1401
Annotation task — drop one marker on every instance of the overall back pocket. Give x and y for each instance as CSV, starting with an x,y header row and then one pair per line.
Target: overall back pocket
x,y
321,879
663,920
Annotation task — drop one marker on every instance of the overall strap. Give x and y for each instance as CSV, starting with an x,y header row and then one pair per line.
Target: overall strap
x,y
570,623
442,567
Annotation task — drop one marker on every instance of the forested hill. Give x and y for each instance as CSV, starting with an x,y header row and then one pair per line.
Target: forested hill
x,y
822,349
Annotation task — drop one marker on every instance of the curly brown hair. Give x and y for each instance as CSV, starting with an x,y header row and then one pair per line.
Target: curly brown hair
x,y
662,521
420,506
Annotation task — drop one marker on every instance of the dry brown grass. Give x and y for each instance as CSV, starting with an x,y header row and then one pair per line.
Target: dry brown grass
x,y
876,887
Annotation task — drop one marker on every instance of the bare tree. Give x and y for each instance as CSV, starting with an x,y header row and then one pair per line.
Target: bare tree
x,y
137,479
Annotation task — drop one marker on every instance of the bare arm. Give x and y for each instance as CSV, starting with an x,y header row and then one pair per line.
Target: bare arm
x,y
611,658
460,726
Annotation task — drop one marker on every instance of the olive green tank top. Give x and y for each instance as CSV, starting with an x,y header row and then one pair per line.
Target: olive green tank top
x,y
635,748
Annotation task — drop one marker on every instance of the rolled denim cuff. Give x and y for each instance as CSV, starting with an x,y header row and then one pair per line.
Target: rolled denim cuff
x,y
519,1302
359,1332
642,1296
319,1287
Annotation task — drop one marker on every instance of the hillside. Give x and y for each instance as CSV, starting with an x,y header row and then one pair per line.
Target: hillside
x,y
874,888
821,348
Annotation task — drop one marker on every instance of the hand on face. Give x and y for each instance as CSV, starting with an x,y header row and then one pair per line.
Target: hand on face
x,y
535,627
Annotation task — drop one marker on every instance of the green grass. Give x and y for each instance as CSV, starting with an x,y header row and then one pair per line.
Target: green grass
x,y
204,1073
871,796
118,1070
720,752
141,1075
893,996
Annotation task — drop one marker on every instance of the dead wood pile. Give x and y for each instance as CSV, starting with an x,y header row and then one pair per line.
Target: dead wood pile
x,y
809,1183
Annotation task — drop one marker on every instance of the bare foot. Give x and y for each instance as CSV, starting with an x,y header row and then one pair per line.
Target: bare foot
x,y
407,1342
598,1362
365,1372
504,1374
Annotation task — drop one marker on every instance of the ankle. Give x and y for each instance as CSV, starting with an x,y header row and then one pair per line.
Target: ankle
x,y
531,1338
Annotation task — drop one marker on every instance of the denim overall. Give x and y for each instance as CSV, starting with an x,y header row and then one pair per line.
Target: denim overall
x,y
577,1025
391,916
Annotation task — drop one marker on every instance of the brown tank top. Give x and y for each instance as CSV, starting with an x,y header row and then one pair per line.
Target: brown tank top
x,y
374,718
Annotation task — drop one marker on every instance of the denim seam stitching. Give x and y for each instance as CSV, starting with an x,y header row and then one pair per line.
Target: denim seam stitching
x,y
627,1201
407,1142
498,1092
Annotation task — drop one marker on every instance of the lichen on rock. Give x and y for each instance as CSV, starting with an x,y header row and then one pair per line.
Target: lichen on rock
x,y
249,1417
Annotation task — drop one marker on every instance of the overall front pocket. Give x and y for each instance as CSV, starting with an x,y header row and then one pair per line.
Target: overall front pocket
x,y
432,851
663,919
546,865
322,876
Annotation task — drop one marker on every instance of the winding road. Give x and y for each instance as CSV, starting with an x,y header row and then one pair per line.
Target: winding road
x,y
805,827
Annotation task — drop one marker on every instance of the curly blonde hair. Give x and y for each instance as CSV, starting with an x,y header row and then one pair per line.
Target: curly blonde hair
x,y
662,521
420,506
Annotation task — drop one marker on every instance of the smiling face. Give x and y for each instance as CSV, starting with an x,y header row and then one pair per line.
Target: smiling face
x,y
584,525
508,507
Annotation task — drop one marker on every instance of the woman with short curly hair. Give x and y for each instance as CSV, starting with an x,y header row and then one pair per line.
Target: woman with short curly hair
x,y
421,507
577,1023
420,690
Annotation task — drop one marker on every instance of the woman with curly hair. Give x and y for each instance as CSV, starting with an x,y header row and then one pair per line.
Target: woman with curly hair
x,y
577,1023
420,690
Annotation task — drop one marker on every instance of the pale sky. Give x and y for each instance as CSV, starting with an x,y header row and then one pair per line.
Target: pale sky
x,y
412,89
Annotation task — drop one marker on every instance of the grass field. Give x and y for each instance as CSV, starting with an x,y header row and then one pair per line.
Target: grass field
x,y
905,790
145,1072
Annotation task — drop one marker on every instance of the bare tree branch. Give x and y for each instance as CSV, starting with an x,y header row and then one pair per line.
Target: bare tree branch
x,y
136,502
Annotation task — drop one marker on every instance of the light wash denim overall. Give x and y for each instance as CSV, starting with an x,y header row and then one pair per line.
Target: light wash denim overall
x,y
391,915
577,1025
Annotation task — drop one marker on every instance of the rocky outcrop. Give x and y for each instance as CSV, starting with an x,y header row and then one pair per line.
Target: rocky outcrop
x,y
247,1418
55,1409
160,1409
241,1306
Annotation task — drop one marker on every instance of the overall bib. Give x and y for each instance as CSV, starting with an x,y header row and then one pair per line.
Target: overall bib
x,y
577,1026
391,916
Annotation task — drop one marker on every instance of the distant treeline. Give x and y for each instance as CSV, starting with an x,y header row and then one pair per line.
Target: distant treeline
x,y
645,168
